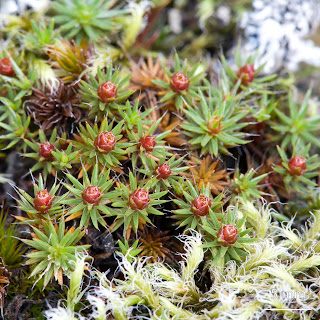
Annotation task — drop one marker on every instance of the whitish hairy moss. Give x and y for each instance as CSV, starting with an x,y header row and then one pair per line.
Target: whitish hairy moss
x,y
99,307
294,239
61,313
258,215
262,253
268,281
46,74
115,303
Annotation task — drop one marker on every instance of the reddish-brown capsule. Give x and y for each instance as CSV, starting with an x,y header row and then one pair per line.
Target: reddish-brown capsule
x,y
215,125
246,73
227,235
45,150
42,201
92,195
297,165
180,82
107,91
6,68
200,206
105,142
139,199
163,171
148,143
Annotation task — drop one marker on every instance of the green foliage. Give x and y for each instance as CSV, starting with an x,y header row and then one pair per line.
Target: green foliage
x,y
74,293
215,126
185,97
55,251
21,83
186,217
150,171
299,183
264,108
246,186
296,128
222,254
122,161
128,216
138,151
64,158
86,210
90,154
86,18
10,249
26,204
15,122
180,187
89,93
42,163
41,35
258,85
132,116
131,252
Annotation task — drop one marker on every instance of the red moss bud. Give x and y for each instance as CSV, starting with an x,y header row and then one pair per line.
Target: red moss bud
x,y
163,171
105,142
107,91
200,206
297,165
179,82
148,143
228,235
45,150
246,73
6,68
42,201
92,195
139,199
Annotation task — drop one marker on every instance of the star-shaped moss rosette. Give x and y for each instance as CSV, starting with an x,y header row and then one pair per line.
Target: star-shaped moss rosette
x,y
70,60
101,144
103,94
207,172
182,85
11,249
55,251
214,127
246,185
226,237
14,121
180,187
18,81
263,108
157,245
146,144
246,78
131,252
132,116
42,152
197,207
43,206
297,128
165,173
41,36
63,159
298,171
90,198
89,19
135,203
